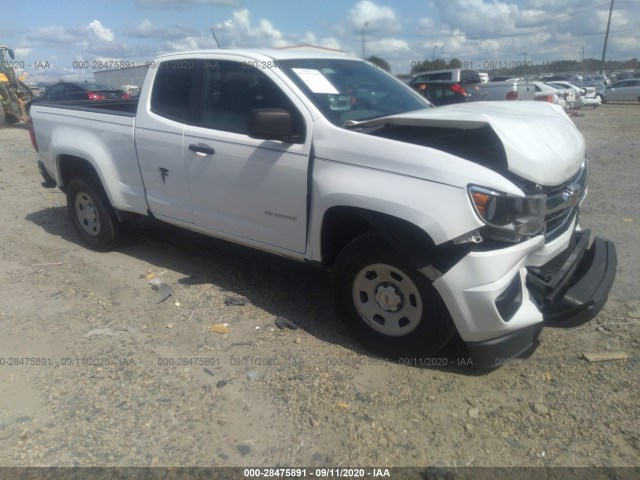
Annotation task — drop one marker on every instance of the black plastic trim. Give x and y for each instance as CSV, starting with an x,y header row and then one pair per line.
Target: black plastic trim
x,y
552,279
589,288
509,301
498,351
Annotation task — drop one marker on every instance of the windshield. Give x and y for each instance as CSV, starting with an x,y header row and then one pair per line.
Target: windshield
x,y
348,90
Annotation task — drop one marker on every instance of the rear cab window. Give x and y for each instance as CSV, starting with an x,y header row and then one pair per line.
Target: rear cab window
x,y
174,88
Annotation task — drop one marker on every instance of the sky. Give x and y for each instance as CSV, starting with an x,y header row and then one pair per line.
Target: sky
x,y
56,40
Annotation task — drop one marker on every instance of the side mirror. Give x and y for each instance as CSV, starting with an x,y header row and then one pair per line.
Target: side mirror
x,y
10,52
271,124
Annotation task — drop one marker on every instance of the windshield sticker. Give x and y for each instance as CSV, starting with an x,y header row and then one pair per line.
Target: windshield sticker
x,y
315,80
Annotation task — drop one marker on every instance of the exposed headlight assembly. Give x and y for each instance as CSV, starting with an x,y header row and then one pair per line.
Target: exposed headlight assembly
x,y
508,217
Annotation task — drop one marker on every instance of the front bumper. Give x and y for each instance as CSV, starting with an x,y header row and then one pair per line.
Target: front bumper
x,y
572,288
499,300
497,351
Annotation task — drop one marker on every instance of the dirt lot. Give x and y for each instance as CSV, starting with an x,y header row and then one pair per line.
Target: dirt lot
x,y
107,377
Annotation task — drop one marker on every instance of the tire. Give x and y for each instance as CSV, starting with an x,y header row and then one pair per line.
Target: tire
x,y
92,215
388,305
601,98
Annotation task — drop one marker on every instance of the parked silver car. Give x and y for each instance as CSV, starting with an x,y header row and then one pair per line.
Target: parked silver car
x,y
627,90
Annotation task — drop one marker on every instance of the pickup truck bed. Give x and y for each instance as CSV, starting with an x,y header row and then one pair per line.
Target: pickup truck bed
x,y
125,107
107,138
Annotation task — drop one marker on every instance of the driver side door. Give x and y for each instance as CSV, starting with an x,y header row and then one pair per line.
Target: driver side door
x,y
247,189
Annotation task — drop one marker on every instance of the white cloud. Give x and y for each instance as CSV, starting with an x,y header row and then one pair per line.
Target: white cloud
x,y
22,52
629,44
184,3
375,17
55,35
465,14
189,43
267,30
470,30
386,46
147,29
547,30
239,32
329,42
309,38
427,25
100,31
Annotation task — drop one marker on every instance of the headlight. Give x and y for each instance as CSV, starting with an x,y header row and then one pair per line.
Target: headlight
x,y
508,217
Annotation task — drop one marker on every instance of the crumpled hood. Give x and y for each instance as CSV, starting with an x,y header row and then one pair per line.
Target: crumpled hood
x,y
540,141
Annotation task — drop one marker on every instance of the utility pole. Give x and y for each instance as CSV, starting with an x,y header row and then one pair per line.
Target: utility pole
x,y
433,55
582,54
363,25
606,37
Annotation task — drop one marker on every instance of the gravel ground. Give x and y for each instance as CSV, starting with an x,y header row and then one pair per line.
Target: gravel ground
x,y
108,377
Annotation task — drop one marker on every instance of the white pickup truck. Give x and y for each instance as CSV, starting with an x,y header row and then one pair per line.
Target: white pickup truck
x,y
433,220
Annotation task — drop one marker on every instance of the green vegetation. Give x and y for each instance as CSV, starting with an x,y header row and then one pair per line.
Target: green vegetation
x,y
531,68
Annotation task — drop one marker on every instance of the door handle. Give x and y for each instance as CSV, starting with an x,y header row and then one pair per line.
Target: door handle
x,y
202,148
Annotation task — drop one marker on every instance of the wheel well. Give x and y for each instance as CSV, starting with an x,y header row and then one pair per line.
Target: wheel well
x,y
341,225
72,166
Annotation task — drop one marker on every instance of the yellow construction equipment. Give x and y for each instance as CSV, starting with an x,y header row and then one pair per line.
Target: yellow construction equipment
x,y
14,94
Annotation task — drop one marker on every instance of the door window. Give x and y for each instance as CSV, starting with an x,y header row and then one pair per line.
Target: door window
x,y
232,90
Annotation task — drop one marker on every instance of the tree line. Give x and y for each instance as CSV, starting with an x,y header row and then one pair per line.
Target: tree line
x,y
520,68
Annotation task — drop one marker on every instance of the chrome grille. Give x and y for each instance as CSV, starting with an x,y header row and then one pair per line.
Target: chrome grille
x,y
562,203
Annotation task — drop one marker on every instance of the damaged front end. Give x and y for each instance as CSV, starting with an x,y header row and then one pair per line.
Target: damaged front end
x,y
544,270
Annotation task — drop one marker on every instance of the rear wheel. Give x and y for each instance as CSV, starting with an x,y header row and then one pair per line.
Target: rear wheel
x,y
92,215
386,303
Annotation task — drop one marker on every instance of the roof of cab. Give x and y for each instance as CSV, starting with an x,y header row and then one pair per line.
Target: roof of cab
x,y
302,52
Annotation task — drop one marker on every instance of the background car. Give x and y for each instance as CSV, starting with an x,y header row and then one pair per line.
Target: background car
x,y
572,94
585,95
545,93
66,91
505,78
446,93
458,75
623,91
445,87
597,83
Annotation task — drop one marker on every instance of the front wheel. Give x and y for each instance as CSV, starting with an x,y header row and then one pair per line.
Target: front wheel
x,y
92,215
386,303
